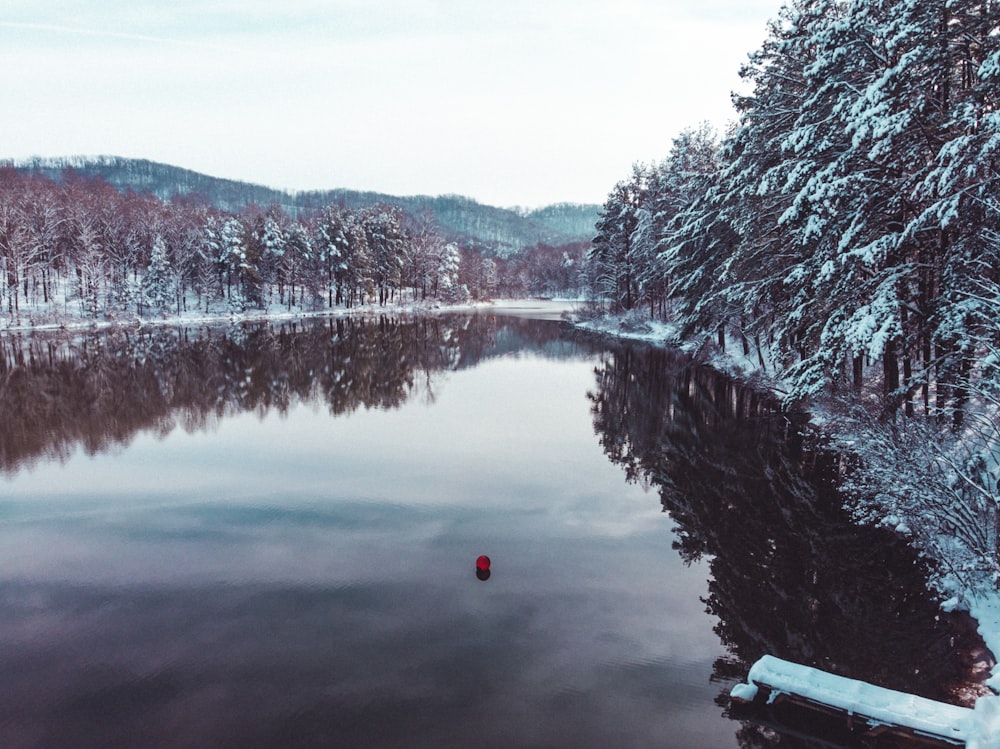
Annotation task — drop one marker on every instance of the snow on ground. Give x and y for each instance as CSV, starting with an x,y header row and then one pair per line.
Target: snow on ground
x,y
653,331
983,604
733,360
63,315
44,320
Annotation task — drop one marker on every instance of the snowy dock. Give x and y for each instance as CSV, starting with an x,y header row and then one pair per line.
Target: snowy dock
x,y
876,710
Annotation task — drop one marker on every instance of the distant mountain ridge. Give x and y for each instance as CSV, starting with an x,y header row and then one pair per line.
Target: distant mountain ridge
x,y
500,231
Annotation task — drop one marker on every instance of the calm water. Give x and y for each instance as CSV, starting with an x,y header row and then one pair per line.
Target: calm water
x,y
266,536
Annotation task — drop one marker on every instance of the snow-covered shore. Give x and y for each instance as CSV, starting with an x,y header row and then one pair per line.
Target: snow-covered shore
x,y
35,320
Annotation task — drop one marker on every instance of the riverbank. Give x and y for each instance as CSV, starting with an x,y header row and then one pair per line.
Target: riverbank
x,y
36,320
961,584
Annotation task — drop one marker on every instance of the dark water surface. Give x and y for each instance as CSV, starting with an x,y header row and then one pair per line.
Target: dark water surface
x,y
266,536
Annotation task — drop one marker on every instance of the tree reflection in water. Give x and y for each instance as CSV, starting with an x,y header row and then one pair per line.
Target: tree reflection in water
x,y
791,575
94,390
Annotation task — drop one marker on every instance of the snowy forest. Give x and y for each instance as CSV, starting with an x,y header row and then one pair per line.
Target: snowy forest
x,y
75,246
844,234
487,229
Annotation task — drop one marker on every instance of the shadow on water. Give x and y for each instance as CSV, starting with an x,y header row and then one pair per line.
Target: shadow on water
x,y
791,574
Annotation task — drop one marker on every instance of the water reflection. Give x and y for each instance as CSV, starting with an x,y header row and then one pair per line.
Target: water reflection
x,y
290,567
791,576
97,390
292,578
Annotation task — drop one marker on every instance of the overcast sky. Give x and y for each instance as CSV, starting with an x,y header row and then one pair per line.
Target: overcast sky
x,y
512,102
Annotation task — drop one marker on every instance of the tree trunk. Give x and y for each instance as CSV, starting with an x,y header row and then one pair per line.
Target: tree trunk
x,y
858,372
890,366
907,378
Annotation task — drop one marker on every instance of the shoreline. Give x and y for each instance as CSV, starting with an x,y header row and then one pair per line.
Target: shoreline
x,y
71,323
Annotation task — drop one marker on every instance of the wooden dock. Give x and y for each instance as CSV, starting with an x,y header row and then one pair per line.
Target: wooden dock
x,y
866,708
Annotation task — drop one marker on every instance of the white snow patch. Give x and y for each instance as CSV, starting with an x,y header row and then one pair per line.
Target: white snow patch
x,y
984,606
653,331
977,728
744,692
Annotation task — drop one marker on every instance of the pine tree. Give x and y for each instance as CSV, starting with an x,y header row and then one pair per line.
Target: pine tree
x,y
233,260
156,289
385,241
693,240
735,254
613,253
272,243
446,284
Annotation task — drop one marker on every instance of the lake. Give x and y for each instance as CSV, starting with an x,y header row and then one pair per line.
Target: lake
x,y
266,535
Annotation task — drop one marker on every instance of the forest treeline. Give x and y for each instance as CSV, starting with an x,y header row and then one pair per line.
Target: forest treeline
x,y
846,228
77,246
487,229
845,231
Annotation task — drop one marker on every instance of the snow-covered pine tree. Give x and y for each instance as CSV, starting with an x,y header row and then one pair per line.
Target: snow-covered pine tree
x,y
959,192
612,254
449,264
157,287
693,239
272,243
335,247
731,254
295,261
385,240
233,260
831,300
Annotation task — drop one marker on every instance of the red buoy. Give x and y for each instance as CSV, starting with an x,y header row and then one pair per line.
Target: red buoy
x,y
482,562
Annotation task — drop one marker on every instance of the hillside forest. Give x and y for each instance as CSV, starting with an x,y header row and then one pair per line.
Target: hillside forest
x,y
73,245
